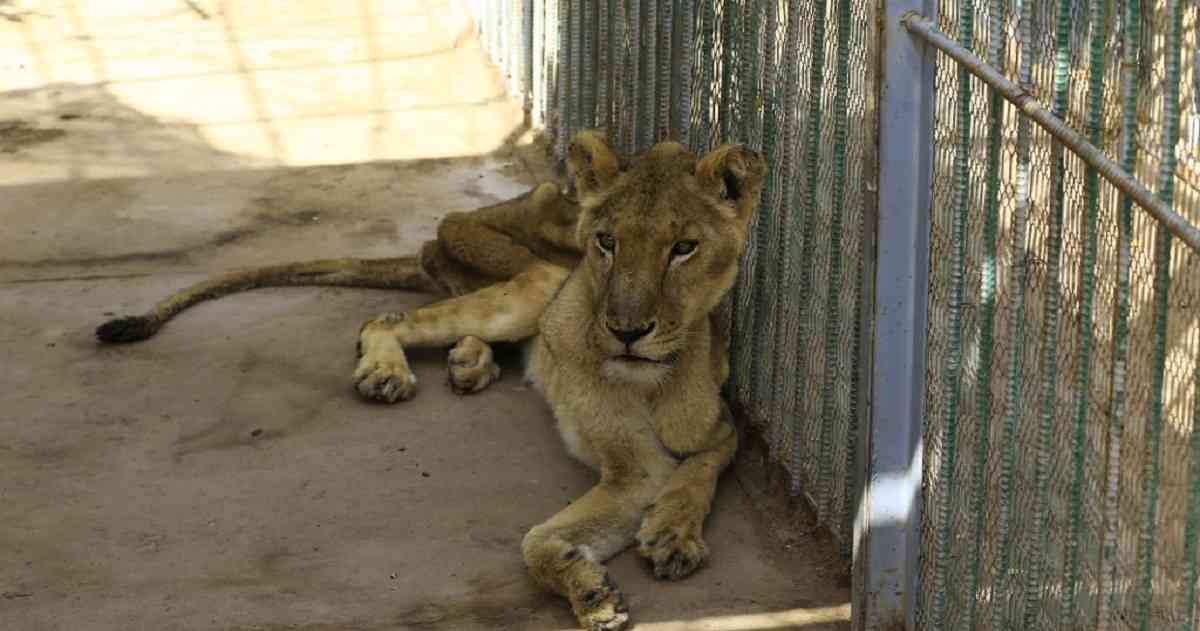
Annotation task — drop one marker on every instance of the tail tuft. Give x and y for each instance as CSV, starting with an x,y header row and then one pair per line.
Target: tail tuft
x,y
125,330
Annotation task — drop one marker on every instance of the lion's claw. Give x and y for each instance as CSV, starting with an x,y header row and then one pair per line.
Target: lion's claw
x,y
471,366
672,544
384,381
602,609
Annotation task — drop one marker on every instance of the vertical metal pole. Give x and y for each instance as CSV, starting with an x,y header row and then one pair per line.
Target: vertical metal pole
x,y
516,54
687,54
575,93
587,67
527,53
538,71
630,85
603,67
887,526
562,104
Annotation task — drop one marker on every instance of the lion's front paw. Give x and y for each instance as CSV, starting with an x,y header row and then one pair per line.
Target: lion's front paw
x,y
471,366
601,609
670,539
385,380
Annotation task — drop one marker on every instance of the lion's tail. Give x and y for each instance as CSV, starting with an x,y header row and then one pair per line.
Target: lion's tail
x,y
391,273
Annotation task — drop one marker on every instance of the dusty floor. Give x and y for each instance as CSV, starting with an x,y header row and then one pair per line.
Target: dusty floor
x,y
223,475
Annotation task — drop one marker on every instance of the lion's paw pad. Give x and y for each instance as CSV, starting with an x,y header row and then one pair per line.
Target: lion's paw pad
x,y
383,380
602,609
674,548
471,366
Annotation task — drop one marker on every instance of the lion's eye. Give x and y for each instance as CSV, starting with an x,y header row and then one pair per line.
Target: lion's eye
x,y
606,241
683,248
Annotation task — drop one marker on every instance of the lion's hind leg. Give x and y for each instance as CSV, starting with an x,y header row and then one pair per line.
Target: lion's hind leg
x,y
504,312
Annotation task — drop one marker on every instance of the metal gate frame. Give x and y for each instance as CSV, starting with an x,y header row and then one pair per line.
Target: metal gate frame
x,y
887,544
887,526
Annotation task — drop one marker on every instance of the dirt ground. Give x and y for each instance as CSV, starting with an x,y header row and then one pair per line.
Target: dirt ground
x,y
223,475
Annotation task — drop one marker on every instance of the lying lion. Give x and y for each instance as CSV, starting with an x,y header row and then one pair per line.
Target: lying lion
x,y
612,288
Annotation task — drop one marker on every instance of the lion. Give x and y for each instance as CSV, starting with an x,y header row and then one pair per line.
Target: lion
x,y
612,286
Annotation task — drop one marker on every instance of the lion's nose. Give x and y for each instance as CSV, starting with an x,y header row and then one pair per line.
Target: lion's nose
x,y
629,336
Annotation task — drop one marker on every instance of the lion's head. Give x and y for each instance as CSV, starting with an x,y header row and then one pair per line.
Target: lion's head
x,y
661,238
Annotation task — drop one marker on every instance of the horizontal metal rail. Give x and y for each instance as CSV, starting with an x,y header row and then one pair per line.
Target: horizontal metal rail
x,y
1089,153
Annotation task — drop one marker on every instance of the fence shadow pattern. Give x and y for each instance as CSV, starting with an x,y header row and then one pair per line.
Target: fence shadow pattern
x,y
1061,463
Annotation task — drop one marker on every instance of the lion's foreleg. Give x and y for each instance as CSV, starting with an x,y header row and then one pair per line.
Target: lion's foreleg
x,y
671,534
507,311
566,554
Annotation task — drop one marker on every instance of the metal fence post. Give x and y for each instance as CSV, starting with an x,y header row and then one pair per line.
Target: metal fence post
x,y
887,525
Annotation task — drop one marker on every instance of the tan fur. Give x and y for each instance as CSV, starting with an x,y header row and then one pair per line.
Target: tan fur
x,y
473,250
644,411
646,414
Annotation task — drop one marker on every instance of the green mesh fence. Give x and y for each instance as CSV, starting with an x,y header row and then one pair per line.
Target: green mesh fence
x,y
1061,484
1063,347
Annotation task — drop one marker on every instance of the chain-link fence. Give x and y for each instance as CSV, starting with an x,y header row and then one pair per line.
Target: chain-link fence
x,y
1060,484
1064,333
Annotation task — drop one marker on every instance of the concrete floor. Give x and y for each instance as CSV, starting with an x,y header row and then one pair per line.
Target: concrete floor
x,y
223,475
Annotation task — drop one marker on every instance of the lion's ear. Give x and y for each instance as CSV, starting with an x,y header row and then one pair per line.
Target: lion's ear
x,y
591,164
734,174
